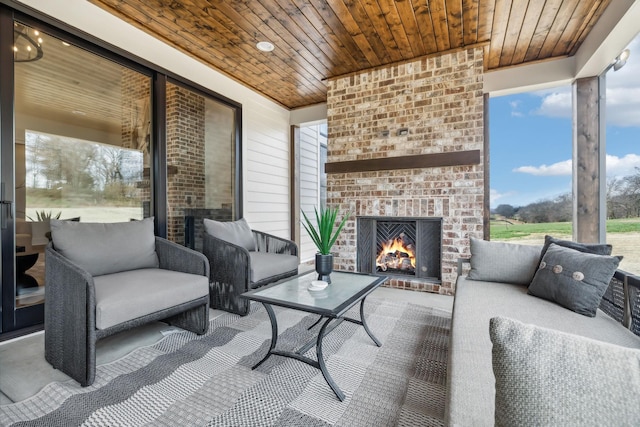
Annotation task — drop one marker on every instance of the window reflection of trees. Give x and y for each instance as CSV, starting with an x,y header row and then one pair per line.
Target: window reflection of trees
x,y
87,172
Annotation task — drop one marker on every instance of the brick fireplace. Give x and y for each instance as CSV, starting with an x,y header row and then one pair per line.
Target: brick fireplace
x,y
407,248
408,141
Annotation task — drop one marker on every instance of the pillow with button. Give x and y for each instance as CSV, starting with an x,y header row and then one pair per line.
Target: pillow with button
x,y
573,279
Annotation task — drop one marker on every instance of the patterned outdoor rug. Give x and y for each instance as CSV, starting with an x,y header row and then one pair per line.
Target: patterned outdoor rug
x,y
207,380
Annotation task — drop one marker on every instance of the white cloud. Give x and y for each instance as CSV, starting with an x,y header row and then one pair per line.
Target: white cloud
x,y
622,166
616,166
555,104
555,169
495,195
622,97
515,105
623,90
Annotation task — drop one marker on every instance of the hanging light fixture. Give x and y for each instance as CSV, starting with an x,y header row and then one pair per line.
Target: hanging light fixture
x,y
27,44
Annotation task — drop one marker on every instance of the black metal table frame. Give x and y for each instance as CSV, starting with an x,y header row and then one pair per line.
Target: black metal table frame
x,y
324,330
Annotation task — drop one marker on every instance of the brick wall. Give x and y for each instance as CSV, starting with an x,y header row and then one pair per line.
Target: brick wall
x,y
440,101
185,157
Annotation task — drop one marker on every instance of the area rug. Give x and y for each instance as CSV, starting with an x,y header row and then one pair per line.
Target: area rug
x,y
186,379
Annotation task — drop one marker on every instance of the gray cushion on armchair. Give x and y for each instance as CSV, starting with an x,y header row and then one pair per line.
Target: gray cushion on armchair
x,y
265,265
236,232
98,247
155,290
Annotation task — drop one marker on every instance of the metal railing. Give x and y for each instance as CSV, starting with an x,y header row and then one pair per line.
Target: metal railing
x,y
621,301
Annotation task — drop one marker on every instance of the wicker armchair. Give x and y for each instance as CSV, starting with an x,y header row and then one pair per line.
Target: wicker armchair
x,y
83,307
235,269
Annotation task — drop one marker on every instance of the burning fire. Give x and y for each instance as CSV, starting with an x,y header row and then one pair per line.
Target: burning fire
x,y
395,254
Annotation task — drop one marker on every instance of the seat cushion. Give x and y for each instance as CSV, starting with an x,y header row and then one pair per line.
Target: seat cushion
x,y
127,295
265,265
470,380
106,248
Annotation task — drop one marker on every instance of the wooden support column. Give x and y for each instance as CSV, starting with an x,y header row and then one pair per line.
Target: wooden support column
x,y
589,155
486,217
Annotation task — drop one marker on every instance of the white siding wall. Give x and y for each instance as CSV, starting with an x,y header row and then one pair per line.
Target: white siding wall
x,y
309,191
267,171
265,123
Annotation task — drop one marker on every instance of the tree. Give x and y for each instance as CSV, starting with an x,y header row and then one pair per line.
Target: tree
x,y
506,211
556,210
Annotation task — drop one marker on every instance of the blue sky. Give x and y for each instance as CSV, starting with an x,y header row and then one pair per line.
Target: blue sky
x,y
531,137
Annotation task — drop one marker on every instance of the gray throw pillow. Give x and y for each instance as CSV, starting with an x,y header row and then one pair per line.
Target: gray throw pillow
x,y
549,378
236,232
503,262
590,248
105,248
573,279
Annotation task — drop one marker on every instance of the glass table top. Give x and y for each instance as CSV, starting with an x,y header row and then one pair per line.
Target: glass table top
x,y
345,290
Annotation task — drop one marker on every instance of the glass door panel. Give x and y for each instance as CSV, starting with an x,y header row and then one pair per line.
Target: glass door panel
x,y
201,153
82,150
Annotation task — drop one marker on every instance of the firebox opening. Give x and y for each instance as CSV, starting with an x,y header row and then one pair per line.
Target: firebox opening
x,y
397,256
407,247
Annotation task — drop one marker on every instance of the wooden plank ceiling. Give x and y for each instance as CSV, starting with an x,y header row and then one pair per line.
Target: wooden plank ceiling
x,y
316,40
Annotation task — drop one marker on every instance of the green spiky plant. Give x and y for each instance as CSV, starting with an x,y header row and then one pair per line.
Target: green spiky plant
x,y
45,216
323,234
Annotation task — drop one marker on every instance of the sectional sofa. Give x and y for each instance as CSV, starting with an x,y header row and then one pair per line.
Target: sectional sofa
x,y
553,358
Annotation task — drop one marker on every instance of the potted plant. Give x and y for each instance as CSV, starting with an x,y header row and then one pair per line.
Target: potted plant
x,y
41,228
324,233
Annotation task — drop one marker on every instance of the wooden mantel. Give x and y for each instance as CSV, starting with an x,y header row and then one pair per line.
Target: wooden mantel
x,y
458,158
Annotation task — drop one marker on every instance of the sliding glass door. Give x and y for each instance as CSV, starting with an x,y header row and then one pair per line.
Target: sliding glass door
x,y
80,150
202,172
92,135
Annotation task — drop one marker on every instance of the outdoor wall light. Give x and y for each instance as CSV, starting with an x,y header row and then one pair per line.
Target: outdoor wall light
x,y
621,59
403,131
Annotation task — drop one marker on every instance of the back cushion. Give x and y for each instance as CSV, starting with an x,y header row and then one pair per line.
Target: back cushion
x,y
105,248
503,262
236,232
550,378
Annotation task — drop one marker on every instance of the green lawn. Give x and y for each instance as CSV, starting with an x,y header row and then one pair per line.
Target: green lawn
x,y
501,230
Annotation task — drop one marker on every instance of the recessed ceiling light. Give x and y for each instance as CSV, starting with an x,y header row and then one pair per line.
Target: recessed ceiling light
x,y
265,46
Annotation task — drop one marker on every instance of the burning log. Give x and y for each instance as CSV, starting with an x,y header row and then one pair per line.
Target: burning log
x,y
397,255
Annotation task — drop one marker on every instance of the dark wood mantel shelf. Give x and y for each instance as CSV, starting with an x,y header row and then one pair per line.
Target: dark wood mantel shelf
x,y
458,158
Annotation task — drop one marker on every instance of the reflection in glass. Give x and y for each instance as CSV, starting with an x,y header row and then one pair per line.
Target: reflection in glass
x,y
201,163
82,147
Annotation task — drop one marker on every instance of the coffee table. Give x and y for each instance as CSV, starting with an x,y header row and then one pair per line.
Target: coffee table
x,y
345,291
